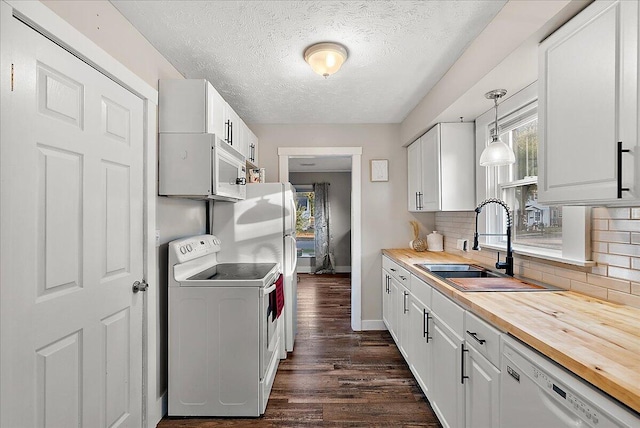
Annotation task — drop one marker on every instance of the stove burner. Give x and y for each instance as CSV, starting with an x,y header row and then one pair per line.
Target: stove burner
x,y
234,272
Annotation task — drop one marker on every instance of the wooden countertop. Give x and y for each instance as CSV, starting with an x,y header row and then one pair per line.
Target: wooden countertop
x,y
597,340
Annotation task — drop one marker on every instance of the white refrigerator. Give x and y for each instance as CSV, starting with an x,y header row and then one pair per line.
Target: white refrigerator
x,y
261,228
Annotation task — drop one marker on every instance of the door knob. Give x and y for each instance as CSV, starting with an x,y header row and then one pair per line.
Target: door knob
x,y
140,286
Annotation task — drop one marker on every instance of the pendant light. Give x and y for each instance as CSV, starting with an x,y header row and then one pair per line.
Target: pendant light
x,y
325,58
496,153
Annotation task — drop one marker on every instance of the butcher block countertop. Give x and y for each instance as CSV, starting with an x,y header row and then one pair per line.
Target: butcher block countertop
x,y
597,340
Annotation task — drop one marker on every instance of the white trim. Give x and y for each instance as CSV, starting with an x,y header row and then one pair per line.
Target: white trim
x,y
309,269
356,214
540,253
373,325
40,17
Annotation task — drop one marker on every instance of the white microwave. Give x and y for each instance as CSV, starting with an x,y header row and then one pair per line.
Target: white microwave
x,y
201,166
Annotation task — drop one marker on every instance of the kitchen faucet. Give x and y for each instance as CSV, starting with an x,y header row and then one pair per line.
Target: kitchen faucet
x,y
508,263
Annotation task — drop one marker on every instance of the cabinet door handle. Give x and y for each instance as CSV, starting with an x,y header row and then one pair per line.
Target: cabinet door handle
x,y
475,336
405,308
620,152
417,202
462,375
387,280
420,200
231,133
425,325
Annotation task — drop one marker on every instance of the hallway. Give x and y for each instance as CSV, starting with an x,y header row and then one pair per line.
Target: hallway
x,y
335,377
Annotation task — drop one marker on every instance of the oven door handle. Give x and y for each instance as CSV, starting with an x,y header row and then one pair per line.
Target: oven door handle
x,y
268,290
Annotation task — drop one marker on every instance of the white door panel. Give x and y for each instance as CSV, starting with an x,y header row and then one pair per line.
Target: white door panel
x,y
71,227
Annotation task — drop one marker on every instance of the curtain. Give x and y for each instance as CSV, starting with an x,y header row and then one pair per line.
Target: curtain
x,y
324,254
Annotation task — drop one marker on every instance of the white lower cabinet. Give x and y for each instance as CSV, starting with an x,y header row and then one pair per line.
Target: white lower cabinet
x,y
448,383
387,305
453,355
404,322
420,334
482,391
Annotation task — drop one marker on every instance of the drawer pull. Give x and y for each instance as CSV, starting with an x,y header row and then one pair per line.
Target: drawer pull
x,y
425,325
392,269
475,336
402,277
462,375
620,152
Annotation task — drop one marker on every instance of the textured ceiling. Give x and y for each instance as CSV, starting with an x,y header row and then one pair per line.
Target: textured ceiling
x,y
251,51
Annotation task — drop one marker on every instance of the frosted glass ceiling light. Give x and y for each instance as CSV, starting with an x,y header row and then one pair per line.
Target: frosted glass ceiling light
x,y
496,153
325,58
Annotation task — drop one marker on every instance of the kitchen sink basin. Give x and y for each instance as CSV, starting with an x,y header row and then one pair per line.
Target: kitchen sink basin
x,y
459,271
470,277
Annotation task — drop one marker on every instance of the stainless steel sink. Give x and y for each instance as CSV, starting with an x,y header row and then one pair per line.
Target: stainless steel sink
x,y
459,270
451,271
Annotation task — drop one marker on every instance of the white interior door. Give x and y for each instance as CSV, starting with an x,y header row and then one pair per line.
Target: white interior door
x,y
71,227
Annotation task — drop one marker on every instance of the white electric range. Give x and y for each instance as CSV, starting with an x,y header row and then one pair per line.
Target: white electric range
x,y
224,334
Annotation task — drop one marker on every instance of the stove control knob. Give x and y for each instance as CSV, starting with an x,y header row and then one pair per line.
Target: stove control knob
x,y
189,248
183,250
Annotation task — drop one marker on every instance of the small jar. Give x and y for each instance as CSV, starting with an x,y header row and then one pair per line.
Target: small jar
x,y
435,242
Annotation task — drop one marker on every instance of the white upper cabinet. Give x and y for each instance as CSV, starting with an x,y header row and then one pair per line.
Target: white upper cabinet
x,y
588,108
194,106
252,155
441,169
190,106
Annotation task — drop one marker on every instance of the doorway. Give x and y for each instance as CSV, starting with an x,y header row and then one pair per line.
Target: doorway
x,y
355,156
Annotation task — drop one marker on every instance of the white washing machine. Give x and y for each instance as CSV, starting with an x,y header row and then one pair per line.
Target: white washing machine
x,y
224,333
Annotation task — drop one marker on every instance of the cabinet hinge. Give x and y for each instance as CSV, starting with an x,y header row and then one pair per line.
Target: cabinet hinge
x,y
11,77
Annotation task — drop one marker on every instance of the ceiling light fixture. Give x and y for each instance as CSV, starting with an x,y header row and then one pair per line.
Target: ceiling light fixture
x,y
496,153
325,58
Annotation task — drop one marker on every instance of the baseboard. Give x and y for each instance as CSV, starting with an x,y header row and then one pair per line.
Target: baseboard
x,y
310,269
373,325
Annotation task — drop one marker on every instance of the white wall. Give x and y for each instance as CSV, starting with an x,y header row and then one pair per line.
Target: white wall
x,y
340,205
385,218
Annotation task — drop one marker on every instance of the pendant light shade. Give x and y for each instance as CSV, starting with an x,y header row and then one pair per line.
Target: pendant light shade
x,y
496,153
325,58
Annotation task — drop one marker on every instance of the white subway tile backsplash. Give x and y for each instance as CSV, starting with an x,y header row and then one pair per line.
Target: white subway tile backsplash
x,y
606,282
605,236
615,245
604,212
558,281
588,289
624,249
600,247
600,224
625,225
612,260
623,298
621,273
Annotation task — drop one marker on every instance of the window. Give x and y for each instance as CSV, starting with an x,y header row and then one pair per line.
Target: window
x,y
537,229
534,224
305,230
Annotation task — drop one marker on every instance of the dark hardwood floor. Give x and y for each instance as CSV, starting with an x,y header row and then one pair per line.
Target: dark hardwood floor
x,y
335,377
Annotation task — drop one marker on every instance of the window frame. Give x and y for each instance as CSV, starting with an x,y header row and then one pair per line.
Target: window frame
x,y
576,241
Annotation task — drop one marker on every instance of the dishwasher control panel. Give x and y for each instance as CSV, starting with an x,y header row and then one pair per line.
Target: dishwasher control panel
x,y
564,395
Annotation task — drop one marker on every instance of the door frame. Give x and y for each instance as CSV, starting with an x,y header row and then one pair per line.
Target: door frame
x,y
45,21
356,216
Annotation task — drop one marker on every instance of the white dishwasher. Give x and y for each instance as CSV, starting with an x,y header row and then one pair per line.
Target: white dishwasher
x,y
535,392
